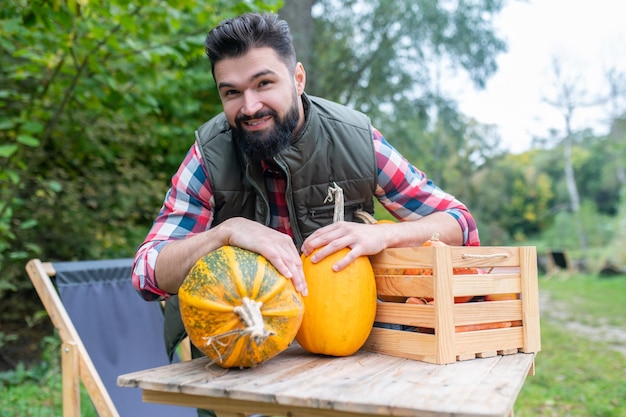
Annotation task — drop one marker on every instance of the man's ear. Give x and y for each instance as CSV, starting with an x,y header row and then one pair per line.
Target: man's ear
x,y
300,78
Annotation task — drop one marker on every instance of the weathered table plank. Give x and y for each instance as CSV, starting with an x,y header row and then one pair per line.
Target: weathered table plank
x,y
302,384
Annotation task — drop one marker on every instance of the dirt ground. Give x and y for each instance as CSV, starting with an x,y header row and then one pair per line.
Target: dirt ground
x,y
561,313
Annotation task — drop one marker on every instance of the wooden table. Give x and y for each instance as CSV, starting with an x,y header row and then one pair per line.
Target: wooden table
x,y
297,383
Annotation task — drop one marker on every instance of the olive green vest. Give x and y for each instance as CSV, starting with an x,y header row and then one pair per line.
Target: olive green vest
x,y
334,145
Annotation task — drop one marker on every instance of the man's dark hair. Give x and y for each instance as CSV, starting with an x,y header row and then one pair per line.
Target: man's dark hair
x,y
236,36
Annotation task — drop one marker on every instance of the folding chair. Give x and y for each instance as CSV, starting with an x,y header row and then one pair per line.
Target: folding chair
x,y
106,330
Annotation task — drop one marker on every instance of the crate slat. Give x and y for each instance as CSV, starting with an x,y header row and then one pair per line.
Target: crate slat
x,y
406,314
530,300
489,340
487,312
489,283
405,284
409,345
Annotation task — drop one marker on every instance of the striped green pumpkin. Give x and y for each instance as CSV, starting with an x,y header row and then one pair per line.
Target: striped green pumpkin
x,y
223,291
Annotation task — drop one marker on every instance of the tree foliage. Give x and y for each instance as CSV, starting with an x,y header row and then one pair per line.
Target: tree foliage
x,y
99,102
387,59
515,194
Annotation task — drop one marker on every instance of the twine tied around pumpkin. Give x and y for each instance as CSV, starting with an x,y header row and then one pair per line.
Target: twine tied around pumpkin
x,y
249,313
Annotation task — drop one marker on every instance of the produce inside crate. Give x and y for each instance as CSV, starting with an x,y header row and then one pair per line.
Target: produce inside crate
x,y
496,309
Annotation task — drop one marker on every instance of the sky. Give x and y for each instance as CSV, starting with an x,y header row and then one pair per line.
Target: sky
x,y
587,36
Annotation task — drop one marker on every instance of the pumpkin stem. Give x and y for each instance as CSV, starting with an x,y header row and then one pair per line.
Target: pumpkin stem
x,y
335,193
365,217
250,313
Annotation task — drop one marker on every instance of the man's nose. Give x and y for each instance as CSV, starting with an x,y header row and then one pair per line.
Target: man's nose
x,y
251,103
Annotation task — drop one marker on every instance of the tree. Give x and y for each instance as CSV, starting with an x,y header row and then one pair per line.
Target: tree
x,y
371,52
569,95
388,60
99,101
516,194
297,13
617,97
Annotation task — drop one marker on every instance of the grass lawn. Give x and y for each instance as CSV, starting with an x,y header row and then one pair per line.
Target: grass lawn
x,y
36,392
577,375
582,368
39,399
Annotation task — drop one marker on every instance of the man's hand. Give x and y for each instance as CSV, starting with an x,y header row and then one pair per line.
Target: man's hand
x,y
370,239
276,247
178,257
362,239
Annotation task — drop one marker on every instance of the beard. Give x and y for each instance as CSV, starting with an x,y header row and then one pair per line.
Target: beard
x,y
259,146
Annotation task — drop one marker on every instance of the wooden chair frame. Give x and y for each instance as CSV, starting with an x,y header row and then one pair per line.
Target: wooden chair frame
x,y
76,365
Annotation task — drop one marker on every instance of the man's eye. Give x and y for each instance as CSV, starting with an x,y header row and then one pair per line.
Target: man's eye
x,y
230,93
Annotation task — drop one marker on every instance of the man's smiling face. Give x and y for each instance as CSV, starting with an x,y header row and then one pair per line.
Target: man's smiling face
x,y
261,99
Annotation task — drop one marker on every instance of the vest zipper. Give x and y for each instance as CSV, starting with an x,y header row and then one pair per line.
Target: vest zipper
x,y
297,235
261,193
327,210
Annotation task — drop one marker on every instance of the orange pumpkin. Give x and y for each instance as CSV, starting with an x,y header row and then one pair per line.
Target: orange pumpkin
x,y
340,307
367,218
238,309
501,297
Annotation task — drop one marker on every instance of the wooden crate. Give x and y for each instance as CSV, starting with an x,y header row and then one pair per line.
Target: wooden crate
x,y
438,332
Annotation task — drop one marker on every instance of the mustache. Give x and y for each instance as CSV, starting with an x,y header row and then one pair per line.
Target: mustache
x,y
258,115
